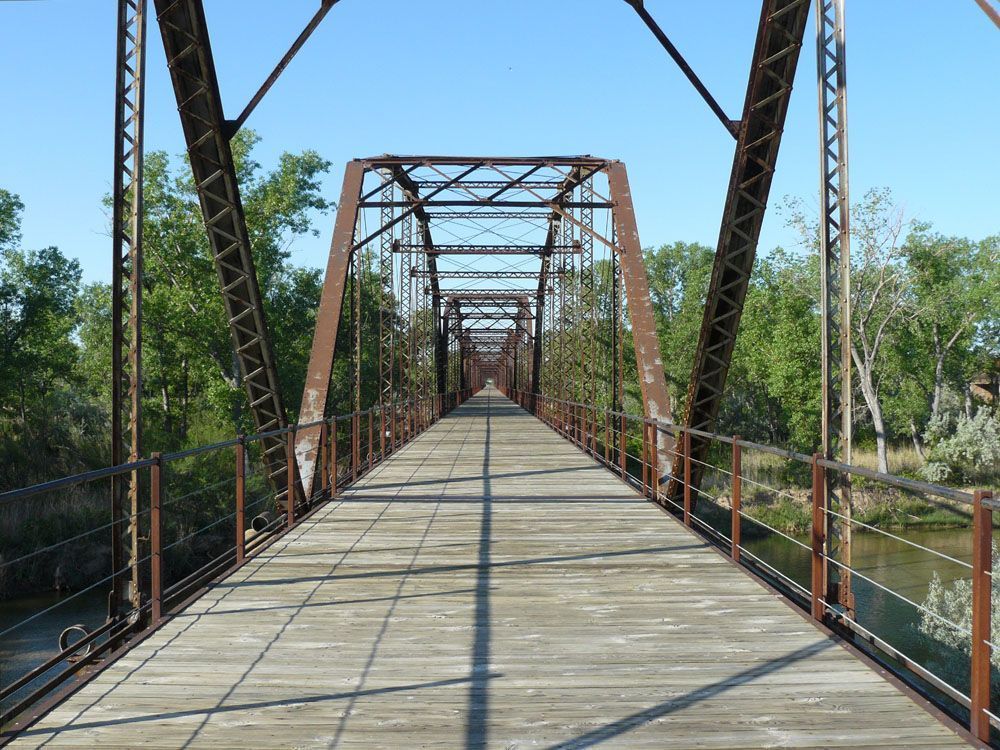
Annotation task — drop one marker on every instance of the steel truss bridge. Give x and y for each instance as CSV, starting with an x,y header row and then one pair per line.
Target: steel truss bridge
x,y
475,311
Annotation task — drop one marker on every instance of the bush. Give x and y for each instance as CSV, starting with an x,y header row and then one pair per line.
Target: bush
x,y
970,453
954,603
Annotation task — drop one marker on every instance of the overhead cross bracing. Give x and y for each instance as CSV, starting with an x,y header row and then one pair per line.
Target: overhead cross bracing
x,y
455,246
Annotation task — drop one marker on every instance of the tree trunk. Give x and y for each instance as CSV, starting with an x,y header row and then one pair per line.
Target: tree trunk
x,y
918,443
866,380
881,441
168,419
185,399
234,381
22,402
939,355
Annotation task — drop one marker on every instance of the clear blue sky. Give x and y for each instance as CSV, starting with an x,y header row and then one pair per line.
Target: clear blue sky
x,y
518,77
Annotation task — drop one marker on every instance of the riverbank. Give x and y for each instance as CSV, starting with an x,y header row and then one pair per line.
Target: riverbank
x,y
790,511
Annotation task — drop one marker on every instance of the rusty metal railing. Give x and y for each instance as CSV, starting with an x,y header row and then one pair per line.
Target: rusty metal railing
x,y
632,446
348,449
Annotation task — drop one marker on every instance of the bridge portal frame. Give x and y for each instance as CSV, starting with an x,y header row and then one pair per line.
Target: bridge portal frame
x,y
208,133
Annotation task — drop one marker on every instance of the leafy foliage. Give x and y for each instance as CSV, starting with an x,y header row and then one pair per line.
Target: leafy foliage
x,y
55,353
949,616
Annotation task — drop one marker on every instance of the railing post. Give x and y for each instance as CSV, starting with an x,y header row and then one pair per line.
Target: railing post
x,y
623,444
324,467
355,445
156,540
654,464
592,411
333,458
645,458
818,537
737,497
371,437
241,499
687,478
290,482
982,606
381,430
607,438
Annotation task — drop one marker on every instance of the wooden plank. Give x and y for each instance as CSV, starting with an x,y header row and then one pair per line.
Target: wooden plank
x,y
489,586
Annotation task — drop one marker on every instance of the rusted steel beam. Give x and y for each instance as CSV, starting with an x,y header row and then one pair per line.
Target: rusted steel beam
x,y
730,125
233,126
990,10
652,382
835,291
466,203
126,304
317,385
482,294
476,274
493,249
389,160
192,72
775,57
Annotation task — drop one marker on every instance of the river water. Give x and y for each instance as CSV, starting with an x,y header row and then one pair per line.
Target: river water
x,y
901,568
893,564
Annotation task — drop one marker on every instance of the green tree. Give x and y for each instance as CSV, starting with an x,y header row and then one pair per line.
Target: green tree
x,y
775,382
191,376
10,219
37,318
678,282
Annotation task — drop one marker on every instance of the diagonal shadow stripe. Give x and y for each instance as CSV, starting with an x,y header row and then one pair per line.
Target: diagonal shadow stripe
x,y
636,720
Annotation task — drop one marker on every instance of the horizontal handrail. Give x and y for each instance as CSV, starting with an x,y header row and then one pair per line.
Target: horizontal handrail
x,y
144,463
582,425
675,429
407,418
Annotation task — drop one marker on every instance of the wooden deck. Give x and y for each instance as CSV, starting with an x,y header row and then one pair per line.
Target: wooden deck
x,y
489,586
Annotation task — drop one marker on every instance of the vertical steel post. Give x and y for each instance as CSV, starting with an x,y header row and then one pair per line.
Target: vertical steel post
x,y
835,289
241,499
371,438
324,466
156,540
607,439
737,497
982,610
654,468
290,465
687,478
126,299
333,458
817,590
623,444
355,445
645,459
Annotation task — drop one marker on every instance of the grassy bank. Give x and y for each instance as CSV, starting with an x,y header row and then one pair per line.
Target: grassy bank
x,y
777,492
